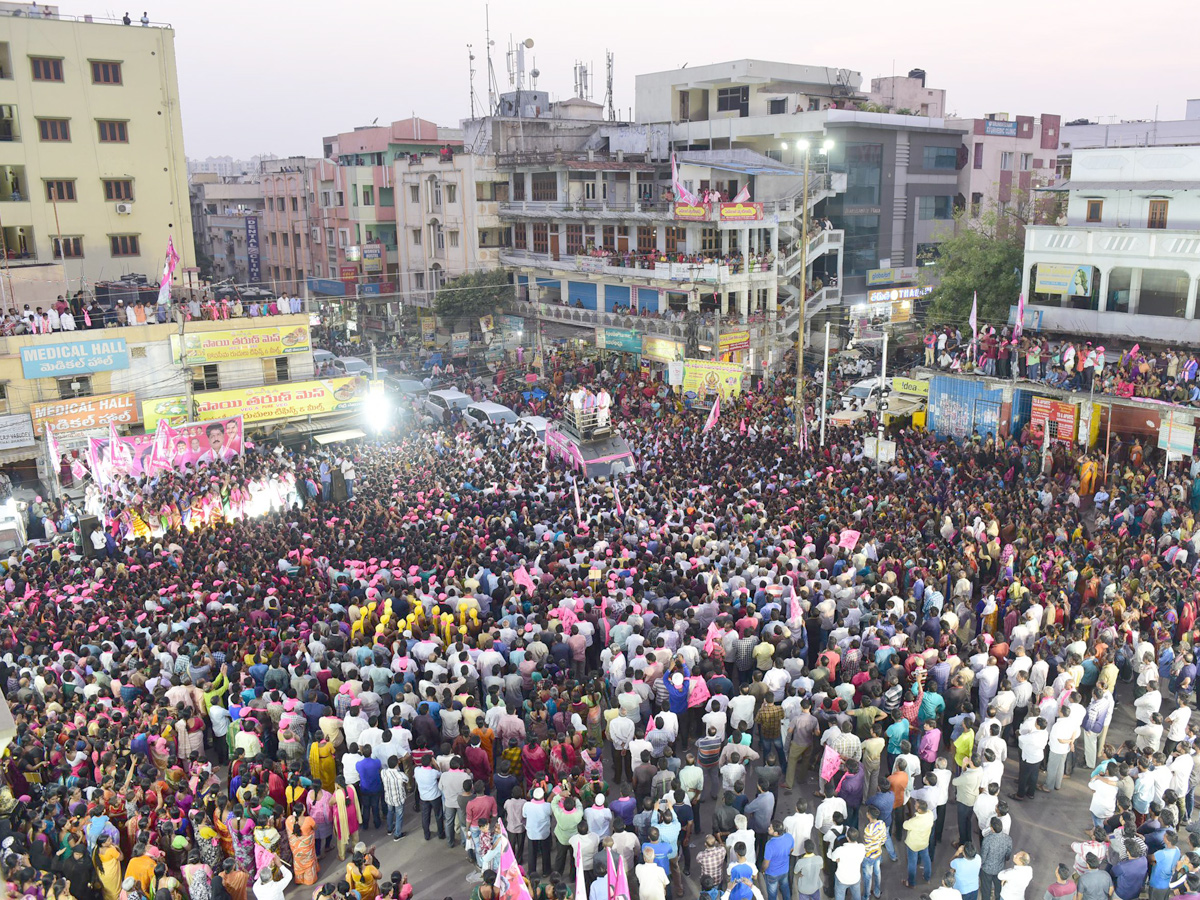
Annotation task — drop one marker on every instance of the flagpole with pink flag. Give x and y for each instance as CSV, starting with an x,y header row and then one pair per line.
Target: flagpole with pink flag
x,y
682,194
164,286
974,322
1019,327
713,414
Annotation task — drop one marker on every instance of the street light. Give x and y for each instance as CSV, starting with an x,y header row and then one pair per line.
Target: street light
x,y
826,146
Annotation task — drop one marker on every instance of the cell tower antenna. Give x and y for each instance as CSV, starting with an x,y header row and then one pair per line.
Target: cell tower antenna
x,y
471,77
608,87
493,87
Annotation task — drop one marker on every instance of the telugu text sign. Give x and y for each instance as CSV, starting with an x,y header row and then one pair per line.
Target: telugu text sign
x,y
15,432
74,358
173,409
303,398
705,377
204,347
82,413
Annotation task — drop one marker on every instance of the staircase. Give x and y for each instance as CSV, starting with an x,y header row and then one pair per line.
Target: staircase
x,y
818,245
830,295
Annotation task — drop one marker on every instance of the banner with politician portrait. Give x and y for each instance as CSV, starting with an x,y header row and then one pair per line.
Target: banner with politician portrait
x,y
168,448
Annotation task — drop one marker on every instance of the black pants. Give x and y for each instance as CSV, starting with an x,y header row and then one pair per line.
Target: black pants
x,y
432,808
539,848
965,833
1027,779
517,840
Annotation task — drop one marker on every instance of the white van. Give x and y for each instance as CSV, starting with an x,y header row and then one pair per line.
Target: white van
x,y
487,413
439,403
861,393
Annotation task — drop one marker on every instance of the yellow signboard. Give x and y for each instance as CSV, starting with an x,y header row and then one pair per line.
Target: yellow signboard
x,y
283,401
428,329
173,409
732,341
912,386
705,377
660,349
245,343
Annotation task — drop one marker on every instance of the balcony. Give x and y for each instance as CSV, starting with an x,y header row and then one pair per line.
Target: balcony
x,y
644,267
650,326
818,245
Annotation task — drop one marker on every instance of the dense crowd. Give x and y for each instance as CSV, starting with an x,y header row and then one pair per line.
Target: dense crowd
x,y
759,667
1169,374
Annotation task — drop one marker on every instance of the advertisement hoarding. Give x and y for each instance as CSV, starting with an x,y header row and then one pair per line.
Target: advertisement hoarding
x,y
253,260
173,409
1064,278
74,358
82,413
1059,417
204,347
16,431
705,377
283,401
732,341
623,340
740,212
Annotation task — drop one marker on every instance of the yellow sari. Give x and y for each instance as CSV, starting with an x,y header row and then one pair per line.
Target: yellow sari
x,y
108,869
322,764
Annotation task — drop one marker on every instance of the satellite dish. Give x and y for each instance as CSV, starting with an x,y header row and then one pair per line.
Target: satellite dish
x,y
535,73
528,43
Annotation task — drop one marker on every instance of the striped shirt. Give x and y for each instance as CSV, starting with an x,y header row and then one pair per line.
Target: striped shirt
x,y
874,837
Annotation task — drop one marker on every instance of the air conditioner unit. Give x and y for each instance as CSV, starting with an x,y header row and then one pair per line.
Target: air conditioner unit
x,y
124,209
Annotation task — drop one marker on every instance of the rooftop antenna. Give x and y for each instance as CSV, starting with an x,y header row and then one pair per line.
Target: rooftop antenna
x,y
608,86
582,85
471,77
493,87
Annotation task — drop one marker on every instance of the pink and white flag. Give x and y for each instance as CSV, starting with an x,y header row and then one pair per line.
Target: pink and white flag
x,y
164,286
617,498
974,321
1020,324
682,194
713,414
743,196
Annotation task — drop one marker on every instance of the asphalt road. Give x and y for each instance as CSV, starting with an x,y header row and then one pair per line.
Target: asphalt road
x,y
1044,827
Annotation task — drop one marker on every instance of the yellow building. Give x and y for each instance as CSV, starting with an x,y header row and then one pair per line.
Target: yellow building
x,y
91,146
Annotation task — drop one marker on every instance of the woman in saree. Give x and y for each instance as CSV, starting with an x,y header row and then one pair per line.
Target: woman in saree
x,y
197,875
266,841
347,813
301,831
362,874
241,832
320,808
323,764
107,861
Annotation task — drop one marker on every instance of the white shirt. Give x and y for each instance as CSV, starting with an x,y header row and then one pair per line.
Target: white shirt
x,y
1104,798
1014,881
849,858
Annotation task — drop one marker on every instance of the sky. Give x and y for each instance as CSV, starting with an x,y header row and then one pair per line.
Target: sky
x,y
274,76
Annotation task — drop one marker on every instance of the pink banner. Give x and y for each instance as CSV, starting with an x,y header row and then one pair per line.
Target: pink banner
x,y
849,539
167,448
510,879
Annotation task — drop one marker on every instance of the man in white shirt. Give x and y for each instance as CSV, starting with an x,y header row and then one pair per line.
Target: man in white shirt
x,y
848,859
1063,734
946,891
1015,880
1176,723
1032,743
651,877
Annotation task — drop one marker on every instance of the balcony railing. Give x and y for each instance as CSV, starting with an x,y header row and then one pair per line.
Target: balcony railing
x,y
645,266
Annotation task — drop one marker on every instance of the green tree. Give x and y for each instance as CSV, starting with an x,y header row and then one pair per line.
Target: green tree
x,y
982,256
473,295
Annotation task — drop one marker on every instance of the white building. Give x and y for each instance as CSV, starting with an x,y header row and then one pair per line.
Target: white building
x,y
908,92
1127,262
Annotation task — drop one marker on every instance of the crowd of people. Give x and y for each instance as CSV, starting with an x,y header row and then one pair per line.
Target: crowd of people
x,y
1169,375
754,666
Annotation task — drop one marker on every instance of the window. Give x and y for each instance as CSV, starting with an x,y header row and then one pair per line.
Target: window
x,y
1158,214
437,194
545,186
646,191
113,132
976,204
735,99
330,238
710,241
778,107
609,237
438,236
275,370
452,193
589,190
1095,210
936,207
68,247
1026,161
676,238
295,204
124,244
1006,160
118,189
205,378
520,237
647,239
940,157
274,237
54,129
278,203
518,186
285,239
76,386
574,239
60,190
106,72
453,238
46,69
368,195
541,237
416,237
3,398
414,193
977,161
419,281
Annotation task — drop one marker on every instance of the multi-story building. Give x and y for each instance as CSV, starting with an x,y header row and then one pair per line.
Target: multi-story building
x,y
1126,263
1006,160
225,166
92,164
884,187
227,221
286,186
908,95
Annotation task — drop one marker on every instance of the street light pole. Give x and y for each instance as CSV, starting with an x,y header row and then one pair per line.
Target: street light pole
x,y
825,385
799,409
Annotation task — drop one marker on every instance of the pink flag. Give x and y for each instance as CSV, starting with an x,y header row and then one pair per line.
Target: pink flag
x,y
523,579
52,443
611,875
682,194
743,196
742,426
617,498
578,506
713,414
794,612
510,879
849,539
1020,325
164,286
580,884
974,320
622,886
113,440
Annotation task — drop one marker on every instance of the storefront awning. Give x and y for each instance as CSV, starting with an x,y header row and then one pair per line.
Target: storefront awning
x,y
20,454
336,437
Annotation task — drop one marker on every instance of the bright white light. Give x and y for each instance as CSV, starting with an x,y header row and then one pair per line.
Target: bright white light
x,y
826,146
802,145
783,146
378,411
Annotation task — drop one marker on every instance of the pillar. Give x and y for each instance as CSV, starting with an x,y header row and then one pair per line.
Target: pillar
x,y
1190,312
1102,303
1135,290
633,189
724,300
744,303
600,303
600,198
773,296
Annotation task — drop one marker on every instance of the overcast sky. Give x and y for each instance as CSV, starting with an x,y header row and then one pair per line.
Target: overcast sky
x,y
273,76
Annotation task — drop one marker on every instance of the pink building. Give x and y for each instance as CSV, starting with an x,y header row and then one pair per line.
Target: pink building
x,y
286,231
1006,158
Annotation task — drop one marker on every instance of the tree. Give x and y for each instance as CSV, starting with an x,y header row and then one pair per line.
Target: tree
x,y
982,256
473,295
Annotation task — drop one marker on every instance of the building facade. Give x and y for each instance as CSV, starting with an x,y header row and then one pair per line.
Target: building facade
x,y
286,187
227,218
1126,263
907,94
92,164
1008,159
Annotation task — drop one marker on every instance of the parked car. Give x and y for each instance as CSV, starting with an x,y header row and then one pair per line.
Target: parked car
x,y
352,365
861,392
438,404
487,413
535,425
